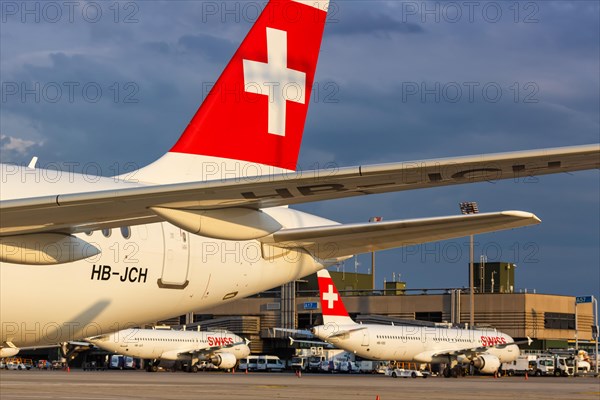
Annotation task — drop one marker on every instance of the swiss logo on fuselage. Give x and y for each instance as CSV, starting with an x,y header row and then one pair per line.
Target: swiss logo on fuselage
x,y
219,341
492,340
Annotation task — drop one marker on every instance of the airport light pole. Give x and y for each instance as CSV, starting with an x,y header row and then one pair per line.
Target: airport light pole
x,y
470,207
482,261
374,219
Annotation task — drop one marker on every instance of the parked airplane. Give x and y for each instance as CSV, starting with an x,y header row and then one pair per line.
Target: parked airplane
x,y
485,349
208,222
222,349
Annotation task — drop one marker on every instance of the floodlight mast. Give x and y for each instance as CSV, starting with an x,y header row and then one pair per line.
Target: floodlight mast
x,y
470,207
374,219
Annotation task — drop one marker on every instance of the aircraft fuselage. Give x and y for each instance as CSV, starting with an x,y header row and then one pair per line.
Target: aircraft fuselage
x,y
144,273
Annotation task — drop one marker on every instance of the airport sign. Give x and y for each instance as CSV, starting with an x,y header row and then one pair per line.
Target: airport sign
x,y
311,305
583,299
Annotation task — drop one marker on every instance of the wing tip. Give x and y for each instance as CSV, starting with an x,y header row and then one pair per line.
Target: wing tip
x,y
523,215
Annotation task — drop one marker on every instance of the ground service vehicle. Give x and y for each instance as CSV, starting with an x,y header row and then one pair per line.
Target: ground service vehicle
x,y
349,367
299,363
406,373
269,363
330,366
544,366
524,364
314,363
564,366
121,362
249,363
16,366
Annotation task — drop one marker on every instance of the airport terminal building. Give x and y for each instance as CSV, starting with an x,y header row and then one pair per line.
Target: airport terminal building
x,y
553,321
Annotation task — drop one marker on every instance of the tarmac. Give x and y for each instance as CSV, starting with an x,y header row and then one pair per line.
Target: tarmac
x,y
95,385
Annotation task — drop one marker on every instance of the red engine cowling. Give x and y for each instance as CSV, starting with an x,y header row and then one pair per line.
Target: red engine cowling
x,y
223,360
487,363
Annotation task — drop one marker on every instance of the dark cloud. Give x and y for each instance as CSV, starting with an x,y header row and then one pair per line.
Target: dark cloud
x,y
353,22
4,141
210,47
159,47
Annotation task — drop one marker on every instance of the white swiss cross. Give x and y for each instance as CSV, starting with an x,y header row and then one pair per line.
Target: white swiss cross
x,y
330,296
275,79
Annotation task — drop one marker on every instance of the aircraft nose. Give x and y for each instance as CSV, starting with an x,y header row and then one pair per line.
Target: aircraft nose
x,y
245,350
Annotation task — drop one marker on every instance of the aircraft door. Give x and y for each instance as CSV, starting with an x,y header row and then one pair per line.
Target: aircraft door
x,y
176,258
365,339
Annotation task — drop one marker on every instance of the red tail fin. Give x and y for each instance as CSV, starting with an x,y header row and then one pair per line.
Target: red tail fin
x,y
332,306
257,109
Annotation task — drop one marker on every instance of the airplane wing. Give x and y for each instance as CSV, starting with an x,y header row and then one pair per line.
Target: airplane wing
x,y
302,332
133,203
427,356
76,346
312,342
337,241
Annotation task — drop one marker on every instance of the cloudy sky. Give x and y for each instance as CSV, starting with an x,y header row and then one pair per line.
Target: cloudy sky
x,y
107,84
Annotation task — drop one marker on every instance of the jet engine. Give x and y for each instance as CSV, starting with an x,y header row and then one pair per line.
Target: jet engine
x,y
8,351
487,363
223,360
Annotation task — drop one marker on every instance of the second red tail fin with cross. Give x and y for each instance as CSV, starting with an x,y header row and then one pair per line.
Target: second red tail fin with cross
x,y
332,306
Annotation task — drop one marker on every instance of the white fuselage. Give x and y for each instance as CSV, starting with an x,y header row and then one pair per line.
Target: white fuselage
x,y
415,343
160,271
170,345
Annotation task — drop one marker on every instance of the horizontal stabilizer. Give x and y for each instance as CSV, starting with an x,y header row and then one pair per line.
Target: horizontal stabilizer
x,y
346,332
337,241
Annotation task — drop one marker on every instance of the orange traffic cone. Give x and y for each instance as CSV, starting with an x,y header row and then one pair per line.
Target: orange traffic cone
x,y
246,371
377,398
526,376
299,373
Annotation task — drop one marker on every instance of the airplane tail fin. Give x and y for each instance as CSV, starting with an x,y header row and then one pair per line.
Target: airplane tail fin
x,y
332,305
251,122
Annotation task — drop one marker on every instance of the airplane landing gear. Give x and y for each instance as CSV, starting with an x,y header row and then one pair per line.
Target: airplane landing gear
x,y
152,366
454,371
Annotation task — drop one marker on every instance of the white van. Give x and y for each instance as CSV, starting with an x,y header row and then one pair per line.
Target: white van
x,y
269,363
121,362
249,363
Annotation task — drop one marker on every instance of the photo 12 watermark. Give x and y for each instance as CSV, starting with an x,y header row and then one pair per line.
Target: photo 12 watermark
x,y
452,12
327,92
54,12
470,92
69,92
249,11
